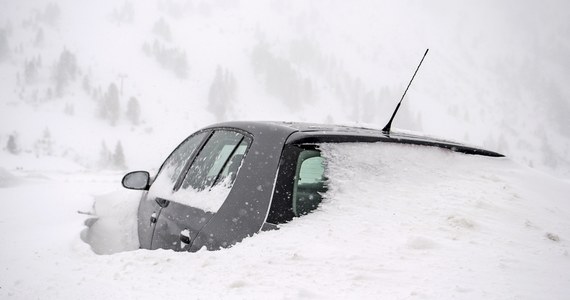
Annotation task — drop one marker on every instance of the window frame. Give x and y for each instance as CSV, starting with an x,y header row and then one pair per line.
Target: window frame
x,y
190,160
301,159
281,207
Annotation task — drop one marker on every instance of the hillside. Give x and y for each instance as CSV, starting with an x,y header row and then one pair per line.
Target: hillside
x,y
78,78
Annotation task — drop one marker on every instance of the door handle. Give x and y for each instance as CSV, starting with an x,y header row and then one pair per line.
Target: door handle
x,y
153,218
184,238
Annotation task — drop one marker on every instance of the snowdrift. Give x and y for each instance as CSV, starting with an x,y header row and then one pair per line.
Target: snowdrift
x,y
397,222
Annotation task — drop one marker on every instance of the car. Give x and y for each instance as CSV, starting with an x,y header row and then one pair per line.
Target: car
x,y
229,181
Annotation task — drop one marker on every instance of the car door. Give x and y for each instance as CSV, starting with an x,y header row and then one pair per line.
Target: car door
x,y
174,166
200,191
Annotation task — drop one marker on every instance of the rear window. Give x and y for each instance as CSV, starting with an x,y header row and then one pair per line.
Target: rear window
x,y
309,182
300,183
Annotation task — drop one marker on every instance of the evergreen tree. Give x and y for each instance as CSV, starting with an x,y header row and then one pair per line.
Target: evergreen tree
x,y
4,48
216,97
172,59
133,111
31,71
280,77
119,157
162,29
65,71
39,40
125,14
86,84
104,156
44,146
49,94
179,63
12,145
51,14
109,106
222,93
69,109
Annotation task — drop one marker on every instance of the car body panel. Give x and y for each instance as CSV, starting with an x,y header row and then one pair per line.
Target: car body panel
x,y
173,221
146,210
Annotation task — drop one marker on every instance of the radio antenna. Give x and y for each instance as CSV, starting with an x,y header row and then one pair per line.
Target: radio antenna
x,y
389,125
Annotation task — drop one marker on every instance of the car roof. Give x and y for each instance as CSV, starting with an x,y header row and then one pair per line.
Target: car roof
x,y
315,133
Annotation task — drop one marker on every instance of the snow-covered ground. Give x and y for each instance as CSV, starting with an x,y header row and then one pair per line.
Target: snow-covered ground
x,y
398,222
90,89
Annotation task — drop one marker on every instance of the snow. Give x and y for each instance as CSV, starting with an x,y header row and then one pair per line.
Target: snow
x,y
112,227
209,200
397,222
7,179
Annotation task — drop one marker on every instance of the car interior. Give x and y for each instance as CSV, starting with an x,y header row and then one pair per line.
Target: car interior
x,y
309,182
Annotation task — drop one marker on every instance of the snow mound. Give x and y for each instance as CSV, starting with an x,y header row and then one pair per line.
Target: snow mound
x,y
7,179
401,221
114,225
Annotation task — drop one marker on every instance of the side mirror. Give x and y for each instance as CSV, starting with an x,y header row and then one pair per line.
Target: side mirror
x,y
137,180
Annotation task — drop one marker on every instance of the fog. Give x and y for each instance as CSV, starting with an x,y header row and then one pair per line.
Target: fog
x,y
116,85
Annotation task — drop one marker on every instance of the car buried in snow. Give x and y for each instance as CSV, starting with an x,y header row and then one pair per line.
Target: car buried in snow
x,y
231,180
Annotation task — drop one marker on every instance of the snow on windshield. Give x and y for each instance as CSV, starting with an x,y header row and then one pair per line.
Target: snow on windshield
x,y
209,200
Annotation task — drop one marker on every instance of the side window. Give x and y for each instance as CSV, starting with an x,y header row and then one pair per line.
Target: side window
x,y
218,161
309,182
231,168
176,163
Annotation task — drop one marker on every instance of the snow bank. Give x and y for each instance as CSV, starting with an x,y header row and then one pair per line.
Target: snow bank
x,y
113,227
456,224
7,179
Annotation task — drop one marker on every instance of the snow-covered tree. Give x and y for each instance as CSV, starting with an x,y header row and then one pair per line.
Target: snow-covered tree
x,y
281,77
50,15
162,29
31,70
125,14
69,109
222,93
109,105
12,144
65,71
44,146
113,160
39,40
170,58
105,156
119,157
49,93
86,84
4,47
133,111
